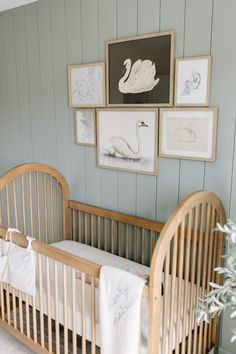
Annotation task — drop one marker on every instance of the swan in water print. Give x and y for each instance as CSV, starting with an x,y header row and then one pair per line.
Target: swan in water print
x,y
138,78
122,149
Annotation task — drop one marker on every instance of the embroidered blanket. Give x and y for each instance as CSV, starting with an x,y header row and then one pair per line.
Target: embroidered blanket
x,y
120,311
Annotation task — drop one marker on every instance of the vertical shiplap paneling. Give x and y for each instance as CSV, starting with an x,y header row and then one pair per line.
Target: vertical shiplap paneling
x,y
48,117
148,22
90,35
108,30
172,18
59,54
127,26
232,210
5,143
218,174
197,42
11,88
74,55
22,85
32,48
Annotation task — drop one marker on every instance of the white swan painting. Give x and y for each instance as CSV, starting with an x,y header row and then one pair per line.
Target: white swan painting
x,y
139,77
120,148
127,140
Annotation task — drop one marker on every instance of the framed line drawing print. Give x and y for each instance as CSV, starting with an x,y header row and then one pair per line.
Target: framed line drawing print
x,y
140,70
127,140
85,126
86,85
187,133
192,81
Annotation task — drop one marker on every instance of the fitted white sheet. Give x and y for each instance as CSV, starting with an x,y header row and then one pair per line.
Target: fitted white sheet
x,y
101,258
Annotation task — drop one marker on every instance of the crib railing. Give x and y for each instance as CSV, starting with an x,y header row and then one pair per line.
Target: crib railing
x,y
49,322
187,252
124,235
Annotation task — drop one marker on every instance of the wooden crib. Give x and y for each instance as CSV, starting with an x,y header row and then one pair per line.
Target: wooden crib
x,y
182,255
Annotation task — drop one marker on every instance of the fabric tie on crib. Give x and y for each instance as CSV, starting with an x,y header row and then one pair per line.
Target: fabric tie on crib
x,y
18,264
120,311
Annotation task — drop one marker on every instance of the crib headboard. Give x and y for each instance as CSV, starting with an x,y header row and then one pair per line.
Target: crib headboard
x,y
188,249
34,199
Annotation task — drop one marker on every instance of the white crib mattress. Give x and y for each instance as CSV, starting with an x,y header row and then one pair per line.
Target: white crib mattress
x,y
101,258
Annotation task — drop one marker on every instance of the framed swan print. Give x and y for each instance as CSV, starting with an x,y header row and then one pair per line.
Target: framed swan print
x,y
127,140
140,70
188,133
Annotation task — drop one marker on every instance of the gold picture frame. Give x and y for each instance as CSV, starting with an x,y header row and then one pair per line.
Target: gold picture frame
x,y
188,133
119,140
86,85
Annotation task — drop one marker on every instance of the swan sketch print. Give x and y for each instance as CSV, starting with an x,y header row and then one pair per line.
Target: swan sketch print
x,y
121,149
139,77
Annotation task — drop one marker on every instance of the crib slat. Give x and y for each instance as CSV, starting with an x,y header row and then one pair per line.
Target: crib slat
x,y
74,312
51,209
93,320
34,320
112,237
8,207
86,228
151,244
143,245
92,230
8,303
23,202
58,213
65,304
119,239
38,206
186,281
126,241
14,202
99,232
41,300
173,290
27,315
83,313
31,205
20,311
80,226
2,302
49,305
165,304
206,238
135,244
56,308
193,272
105,234
45,207
14,307
180,277
73,224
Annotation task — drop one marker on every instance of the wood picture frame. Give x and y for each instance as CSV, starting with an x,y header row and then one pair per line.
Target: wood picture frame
x,y
85,126
188,133
153,57
193,81
120,143
86,85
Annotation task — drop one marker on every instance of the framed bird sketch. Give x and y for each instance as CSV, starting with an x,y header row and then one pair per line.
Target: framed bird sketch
x,y
85,127
140,70
187,133
86,85
127,140
192,81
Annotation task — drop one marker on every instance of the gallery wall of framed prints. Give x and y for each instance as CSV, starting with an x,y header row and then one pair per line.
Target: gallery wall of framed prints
x,y
142,104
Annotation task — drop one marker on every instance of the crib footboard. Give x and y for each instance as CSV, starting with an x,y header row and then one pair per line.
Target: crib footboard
x,y
61,318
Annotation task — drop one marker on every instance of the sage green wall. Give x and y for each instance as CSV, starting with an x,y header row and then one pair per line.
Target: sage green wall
x,y
38,41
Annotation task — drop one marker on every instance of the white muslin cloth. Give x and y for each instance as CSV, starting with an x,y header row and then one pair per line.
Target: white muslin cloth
x,y
120,298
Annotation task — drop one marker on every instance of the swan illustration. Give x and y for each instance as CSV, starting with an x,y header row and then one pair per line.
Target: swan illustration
x,y
192,84
186,134
122,149
138,78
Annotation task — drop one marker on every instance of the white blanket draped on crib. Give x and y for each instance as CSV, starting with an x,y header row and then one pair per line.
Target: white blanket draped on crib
x,y
120,311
